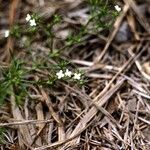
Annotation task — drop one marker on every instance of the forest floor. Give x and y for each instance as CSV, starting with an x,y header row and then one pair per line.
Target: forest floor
x,y
75,75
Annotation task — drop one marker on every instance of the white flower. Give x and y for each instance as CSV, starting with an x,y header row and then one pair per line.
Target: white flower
x,y
6,33
32,22
60,74
118,8
77,76
28,17
68,73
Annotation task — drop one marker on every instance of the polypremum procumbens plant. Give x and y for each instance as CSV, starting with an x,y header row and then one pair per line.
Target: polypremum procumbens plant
x,y
101,15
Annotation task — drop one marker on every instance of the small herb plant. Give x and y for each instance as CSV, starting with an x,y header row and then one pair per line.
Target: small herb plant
x,y
101,15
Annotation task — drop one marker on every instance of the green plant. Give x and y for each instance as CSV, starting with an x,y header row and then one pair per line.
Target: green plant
x,y
101,16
